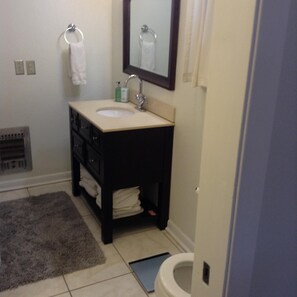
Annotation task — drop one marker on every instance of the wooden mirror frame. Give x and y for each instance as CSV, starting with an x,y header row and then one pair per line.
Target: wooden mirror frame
x,y
167,82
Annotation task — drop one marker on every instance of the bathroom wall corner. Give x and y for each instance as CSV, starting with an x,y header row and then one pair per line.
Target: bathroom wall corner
x,y
186,244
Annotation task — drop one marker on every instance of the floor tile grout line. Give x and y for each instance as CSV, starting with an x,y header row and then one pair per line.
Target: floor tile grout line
x,y
122,257
59,294
66,285
98,282
130,269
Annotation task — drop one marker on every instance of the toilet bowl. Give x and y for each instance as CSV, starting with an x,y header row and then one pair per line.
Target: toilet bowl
x,y
174,278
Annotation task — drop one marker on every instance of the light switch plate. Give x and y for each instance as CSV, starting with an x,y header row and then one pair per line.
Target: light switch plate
x,y
30,65
19,67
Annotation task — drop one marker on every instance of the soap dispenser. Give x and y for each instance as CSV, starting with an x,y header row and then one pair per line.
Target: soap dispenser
x,y
118,92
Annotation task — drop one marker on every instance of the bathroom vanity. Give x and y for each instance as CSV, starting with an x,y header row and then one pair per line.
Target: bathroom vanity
x,y
121,150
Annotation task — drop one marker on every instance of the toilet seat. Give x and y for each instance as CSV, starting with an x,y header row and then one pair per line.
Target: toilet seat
x,y
165,280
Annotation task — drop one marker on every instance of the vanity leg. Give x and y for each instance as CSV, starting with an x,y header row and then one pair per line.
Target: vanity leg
x,y
164,186
106,219
75,172
163,205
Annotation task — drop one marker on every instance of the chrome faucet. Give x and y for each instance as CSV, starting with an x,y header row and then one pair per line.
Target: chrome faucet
x,y
139,97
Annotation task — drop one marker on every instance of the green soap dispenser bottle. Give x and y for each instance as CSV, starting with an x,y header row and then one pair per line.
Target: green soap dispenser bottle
x,y
118,92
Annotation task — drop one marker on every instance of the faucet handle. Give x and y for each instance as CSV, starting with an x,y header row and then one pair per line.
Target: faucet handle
x,y
140,99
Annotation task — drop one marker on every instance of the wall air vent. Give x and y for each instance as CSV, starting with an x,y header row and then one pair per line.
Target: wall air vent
x,y
15,150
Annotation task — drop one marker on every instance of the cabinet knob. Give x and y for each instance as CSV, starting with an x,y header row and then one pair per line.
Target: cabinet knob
x,y
95,138
92,161
76,146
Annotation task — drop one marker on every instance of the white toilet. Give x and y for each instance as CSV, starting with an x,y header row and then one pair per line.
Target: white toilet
x,y
174,278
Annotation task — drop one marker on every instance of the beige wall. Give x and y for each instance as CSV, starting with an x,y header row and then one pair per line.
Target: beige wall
x,y
32,30
229,60
189,104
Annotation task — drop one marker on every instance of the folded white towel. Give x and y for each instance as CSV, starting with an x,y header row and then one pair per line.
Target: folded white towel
x,y
126,192
85,174
126,203
121,192
77,58
124,208
91,190
123,198
148,55
125,212
92,183
128,208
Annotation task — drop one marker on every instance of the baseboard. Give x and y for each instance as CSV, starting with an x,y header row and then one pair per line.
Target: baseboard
x,y
34,181
181,238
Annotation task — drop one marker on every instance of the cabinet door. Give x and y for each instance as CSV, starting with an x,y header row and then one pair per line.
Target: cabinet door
x,y
94,162
96,139
134,157
74,119
84,128
78,147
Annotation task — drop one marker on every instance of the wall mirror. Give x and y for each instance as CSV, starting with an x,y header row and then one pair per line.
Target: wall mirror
x,y
150,37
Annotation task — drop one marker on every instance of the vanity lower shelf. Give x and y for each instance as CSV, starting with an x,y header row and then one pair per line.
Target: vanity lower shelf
x,y
144,218
122,159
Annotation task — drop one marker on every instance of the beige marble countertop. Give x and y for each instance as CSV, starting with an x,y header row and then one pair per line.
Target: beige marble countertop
x,y
138,120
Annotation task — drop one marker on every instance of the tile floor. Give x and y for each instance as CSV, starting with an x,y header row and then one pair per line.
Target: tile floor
x,y
114,277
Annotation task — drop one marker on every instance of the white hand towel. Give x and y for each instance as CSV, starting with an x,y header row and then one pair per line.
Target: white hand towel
x,y
77,58
148,55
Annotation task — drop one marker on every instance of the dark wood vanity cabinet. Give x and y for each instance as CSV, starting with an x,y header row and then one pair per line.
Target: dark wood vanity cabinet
x,y
122,159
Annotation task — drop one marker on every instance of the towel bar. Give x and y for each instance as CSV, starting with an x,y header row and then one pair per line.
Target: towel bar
x,y
72,28
147,29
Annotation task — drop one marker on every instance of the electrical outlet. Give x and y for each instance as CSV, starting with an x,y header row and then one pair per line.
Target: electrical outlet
x,y
30,65
206,273
19,67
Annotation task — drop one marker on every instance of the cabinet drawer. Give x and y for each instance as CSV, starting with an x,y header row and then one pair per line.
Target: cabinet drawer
x,y
94,162
84,128
78,147
96,139
74,119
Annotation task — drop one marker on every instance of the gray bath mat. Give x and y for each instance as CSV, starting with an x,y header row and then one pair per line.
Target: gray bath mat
x,y
147,269
43,237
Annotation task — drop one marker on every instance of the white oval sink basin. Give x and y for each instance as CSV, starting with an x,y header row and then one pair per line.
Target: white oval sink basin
x,y
115,112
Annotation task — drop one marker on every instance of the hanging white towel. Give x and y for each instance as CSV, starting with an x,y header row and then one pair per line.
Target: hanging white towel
x,y
197,41
148,55
77,58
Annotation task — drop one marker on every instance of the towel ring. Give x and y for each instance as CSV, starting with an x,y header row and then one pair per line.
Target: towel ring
x,y
146,29
72,28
